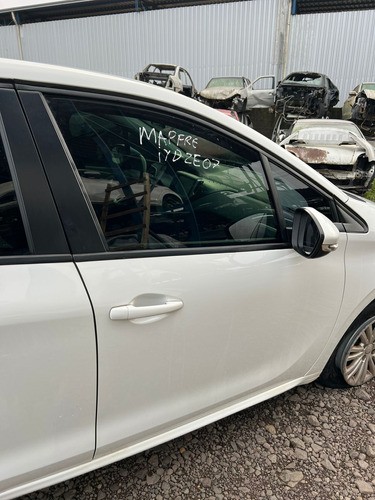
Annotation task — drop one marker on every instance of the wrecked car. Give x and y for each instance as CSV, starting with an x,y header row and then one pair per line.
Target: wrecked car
x,y
352,97
363,108
239,94
335,148
306,94
169,76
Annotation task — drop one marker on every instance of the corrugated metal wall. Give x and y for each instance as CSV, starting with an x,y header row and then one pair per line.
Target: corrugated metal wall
x,y
339,44
247,38
8,43
209,40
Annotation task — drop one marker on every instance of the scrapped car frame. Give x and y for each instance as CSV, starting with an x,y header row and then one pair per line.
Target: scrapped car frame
x,y
355,175
169,76
297,97
363,110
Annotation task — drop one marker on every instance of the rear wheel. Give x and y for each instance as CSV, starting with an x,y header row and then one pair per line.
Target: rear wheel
x,y
353,362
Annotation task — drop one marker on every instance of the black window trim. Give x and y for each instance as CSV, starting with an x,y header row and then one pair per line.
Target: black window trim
x,y
71,205
44,232
75,172
17,189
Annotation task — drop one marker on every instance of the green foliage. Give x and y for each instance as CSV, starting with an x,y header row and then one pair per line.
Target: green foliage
x,y
370,194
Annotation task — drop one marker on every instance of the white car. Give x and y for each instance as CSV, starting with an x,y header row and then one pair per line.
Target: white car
x,y
127,320
335,148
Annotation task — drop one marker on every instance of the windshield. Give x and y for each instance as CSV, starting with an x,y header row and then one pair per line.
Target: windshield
x,y
226,82
368,86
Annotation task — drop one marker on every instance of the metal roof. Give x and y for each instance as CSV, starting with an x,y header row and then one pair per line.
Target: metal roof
x,y
321,6
51,11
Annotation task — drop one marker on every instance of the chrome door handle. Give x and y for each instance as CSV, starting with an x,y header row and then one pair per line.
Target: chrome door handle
x,y
132,311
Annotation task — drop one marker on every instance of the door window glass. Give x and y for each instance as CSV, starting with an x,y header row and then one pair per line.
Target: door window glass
x,y
12,234
295,193
155,181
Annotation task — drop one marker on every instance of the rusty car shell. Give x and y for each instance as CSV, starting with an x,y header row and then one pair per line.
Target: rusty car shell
x,y
350,100
363,110
306,94
169,76
239,93
342,156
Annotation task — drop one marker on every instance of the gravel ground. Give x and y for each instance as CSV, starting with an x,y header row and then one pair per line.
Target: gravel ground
x,y
310,443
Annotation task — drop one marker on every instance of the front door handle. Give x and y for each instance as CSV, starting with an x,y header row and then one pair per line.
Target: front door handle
x,y
134,311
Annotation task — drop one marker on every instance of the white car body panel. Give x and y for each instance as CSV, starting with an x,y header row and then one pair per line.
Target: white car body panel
x,y
198,357
359,284
147,444
261,98
54,341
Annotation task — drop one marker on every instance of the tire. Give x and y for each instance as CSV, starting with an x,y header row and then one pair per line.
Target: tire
x,y
353,361
171,202
244,119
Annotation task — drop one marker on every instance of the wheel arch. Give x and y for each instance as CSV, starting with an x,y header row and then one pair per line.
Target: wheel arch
x,y
351,321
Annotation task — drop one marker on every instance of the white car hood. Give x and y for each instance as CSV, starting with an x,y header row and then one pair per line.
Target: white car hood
x,y
221,93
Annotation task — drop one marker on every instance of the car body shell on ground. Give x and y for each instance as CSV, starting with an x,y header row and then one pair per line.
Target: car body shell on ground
x,y
169,76
335,148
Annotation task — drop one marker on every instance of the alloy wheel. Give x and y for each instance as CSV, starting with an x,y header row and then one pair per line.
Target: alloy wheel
x,y
358,362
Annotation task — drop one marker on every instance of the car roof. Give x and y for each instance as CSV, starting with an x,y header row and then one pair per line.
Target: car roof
x,y
163,65
231,76
304,73
324,121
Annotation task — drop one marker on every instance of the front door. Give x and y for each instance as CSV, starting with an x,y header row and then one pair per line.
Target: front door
x,y
199,299
261,94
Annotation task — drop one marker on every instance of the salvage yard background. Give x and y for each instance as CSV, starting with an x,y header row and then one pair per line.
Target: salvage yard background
x,y
244,38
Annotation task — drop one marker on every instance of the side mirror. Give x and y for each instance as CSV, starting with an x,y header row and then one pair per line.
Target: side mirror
x,y
313,235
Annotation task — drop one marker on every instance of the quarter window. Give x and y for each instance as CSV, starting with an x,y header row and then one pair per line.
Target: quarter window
x,y
295,193
158,181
